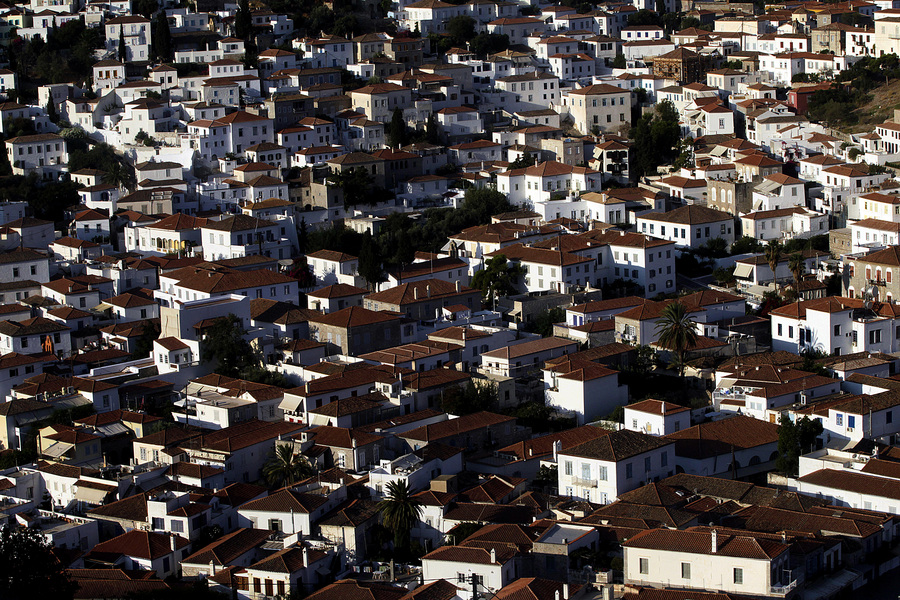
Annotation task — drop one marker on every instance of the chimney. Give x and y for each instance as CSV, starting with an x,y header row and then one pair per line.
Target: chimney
x,y
428,290
556,595
664,408
784,537
305,557
493,556
457,285
212,568
715,541
415,293
565,591
172,543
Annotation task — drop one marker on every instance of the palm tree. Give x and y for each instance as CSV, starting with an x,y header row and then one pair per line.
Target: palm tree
x,y
677,331
795,265
399,512
285,467
773,254
119,175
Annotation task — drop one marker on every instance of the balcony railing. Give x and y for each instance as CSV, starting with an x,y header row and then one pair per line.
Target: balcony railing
x,y
584,483
783,590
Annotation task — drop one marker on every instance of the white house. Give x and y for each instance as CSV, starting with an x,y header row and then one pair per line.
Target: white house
x,y
582,388
703,559
835,325
601,469
784,223
656,417
689,226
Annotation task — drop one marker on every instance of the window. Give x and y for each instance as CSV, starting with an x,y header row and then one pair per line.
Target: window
x,y
685,570
568,467
839,419
585,470
647,464
629,471
177,526
738,576
644,566
837,330
602,473
275,524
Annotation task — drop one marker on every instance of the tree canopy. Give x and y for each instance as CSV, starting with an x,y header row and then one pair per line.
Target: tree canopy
x,y
284,467
498,278
243,20
162,38
656,135
28,568
795,439
677,331
224,346
470,398
399,512
429,232
358,186
396,133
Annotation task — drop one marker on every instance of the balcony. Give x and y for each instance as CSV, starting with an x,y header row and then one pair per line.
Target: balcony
x,y
782,590
584,483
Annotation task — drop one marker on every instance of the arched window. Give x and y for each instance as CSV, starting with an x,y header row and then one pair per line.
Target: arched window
x,y
868,272
887,275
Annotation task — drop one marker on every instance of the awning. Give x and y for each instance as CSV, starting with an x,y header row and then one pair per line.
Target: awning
x,y
743,270
91,495
102,306
290,404
56,449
